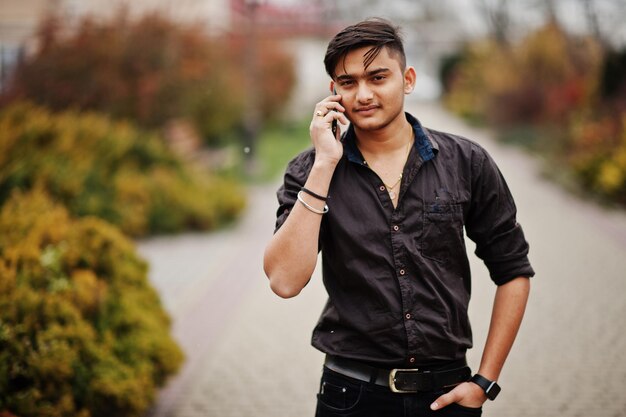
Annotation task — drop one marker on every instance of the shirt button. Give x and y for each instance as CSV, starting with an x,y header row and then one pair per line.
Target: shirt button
x,y
382,188
402,272
396,228
407,316
412,359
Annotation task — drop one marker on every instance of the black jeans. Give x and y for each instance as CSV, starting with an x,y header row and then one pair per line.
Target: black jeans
x,y
342,396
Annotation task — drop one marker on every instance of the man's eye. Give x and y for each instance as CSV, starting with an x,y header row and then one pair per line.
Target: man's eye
x,y
379,78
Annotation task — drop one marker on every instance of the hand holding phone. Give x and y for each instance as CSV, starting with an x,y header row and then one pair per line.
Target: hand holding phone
x,y
328,114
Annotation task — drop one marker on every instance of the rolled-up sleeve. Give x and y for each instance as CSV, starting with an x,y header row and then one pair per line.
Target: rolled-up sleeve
x,y
296,175
491,223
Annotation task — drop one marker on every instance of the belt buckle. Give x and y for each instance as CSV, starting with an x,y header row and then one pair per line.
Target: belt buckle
x,y
392,380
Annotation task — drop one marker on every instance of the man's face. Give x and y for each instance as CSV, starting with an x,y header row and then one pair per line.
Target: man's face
x,y
373,96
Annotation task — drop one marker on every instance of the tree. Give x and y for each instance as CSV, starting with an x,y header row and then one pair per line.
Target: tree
x,y
149,70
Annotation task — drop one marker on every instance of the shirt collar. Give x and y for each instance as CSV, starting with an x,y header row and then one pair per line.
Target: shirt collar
x,y
424,142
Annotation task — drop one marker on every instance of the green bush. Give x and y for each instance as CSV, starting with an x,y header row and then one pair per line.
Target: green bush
x,y
81,331
111,170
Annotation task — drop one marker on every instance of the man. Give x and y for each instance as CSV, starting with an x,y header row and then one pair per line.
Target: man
x,y
387,205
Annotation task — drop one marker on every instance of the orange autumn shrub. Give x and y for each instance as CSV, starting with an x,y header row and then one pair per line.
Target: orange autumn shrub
x,y
598,154
560,94
545,78
150,70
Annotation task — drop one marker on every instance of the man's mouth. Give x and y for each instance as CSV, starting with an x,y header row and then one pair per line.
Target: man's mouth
x,y
366,109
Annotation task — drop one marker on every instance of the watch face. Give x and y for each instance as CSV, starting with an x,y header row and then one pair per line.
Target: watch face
x,y
493,391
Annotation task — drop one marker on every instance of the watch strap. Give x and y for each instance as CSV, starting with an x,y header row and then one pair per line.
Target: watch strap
x,y
491,388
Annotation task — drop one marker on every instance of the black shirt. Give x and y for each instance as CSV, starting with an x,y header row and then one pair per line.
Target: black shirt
x,y
398,279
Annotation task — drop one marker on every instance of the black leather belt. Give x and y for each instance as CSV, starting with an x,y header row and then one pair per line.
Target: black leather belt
x,y
402,380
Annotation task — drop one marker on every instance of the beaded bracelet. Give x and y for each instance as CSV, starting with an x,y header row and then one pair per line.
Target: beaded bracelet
x,y
312,194
310,208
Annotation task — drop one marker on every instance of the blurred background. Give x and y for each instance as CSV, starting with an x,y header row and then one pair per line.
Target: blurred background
x,y
141,145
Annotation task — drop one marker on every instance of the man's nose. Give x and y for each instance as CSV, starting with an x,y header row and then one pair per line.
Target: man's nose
x,y
364,93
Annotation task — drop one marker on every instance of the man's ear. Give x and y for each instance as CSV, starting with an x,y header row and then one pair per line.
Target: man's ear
x,y
332,86
409,80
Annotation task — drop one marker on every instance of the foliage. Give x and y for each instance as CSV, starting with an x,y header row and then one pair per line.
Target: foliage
x,y
111,170
149,70
545,79
81,331
277,72
465,79
598,154
560,94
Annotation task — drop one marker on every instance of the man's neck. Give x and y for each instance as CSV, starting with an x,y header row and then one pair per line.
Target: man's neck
x,y
389,139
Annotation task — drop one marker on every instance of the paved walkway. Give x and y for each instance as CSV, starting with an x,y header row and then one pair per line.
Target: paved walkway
x,y
248,351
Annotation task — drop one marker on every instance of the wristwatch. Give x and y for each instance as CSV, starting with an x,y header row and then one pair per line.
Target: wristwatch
x,y
491,388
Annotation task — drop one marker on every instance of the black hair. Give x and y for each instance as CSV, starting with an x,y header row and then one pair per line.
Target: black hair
x,y
376,32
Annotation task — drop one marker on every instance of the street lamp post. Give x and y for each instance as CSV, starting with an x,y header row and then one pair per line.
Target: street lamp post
x,y
252,116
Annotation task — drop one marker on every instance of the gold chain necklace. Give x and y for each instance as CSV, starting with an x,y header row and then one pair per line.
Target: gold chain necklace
x,y
390,191
391,187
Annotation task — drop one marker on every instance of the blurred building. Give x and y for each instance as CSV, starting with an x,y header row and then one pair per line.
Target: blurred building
x,y
18,21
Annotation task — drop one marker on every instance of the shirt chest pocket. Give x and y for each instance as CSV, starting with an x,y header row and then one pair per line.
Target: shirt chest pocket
x,y
442,231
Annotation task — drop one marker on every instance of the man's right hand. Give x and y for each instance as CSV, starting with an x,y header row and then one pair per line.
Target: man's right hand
x,y
328,149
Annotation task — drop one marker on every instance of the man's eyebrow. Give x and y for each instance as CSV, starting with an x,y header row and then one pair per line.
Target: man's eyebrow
x,y
376,71
344,77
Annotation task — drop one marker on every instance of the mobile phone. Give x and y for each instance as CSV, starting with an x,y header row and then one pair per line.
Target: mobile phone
x,y
333,124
